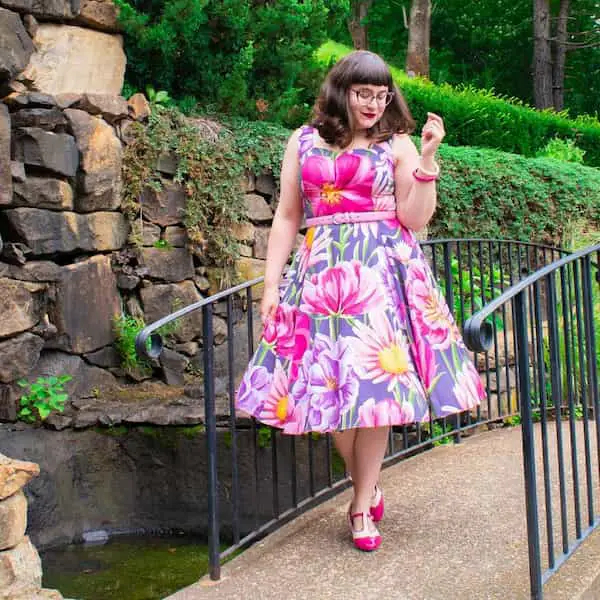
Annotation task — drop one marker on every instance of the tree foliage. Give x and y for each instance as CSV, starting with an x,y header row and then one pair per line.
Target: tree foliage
x,y
246,57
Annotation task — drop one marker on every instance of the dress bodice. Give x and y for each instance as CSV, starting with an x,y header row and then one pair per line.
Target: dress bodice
x,y
348,181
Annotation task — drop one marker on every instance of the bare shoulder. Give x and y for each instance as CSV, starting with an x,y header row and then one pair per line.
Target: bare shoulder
x,y
403,147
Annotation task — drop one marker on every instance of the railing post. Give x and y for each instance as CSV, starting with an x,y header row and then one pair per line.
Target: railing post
x,y
533,533
214,561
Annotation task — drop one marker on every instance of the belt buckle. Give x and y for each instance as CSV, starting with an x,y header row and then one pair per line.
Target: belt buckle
x,y
339,218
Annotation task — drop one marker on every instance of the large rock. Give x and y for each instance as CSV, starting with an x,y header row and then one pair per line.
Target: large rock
x,y
139,107
174,264
35,270
48,119
144,233
13,520
258,209
16,46
111,108
46,9
55,152
22,304
164,207
99,14
47,232
161,300
99,181
20,564
75,60
251,268
87,381
87,288
5,162
9,401
43,192
19,355
14,474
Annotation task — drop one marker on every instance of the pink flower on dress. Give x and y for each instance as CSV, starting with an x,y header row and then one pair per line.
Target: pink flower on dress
x,y
382,353
289,331
340,184
349,288
385,412
429,308
468,389
296,423
425,362
279,405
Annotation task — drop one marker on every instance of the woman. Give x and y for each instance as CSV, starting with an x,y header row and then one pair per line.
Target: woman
x,y
360,338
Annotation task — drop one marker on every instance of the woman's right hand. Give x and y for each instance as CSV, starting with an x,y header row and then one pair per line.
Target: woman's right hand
x,y
269,304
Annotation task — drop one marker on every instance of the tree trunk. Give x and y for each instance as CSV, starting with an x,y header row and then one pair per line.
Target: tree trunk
x,y
419,28
560,56
357,25
542,55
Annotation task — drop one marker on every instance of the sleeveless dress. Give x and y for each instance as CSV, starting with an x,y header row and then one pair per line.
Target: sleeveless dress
x,y
363,336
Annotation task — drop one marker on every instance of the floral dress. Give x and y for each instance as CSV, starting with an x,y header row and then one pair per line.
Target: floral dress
x,y
362,336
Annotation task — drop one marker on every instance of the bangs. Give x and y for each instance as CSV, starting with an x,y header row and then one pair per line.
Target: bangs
x,y
367,68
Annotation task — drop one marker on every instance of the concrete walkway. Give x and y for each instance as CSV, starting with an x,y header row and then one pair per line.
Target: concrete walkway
x,y
454,529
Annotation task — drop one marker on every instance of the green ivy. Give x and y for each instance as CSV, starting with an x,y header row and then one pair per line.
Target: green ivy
x,y
212,160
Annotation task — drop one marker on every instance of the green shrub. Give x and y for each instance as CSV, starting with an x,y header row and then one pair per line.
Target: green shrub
x,y
564,150
491,194
43,396
476,117
237,56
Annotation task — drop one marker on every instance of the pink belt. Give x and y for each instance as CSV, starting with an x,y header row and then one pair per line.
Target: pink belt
x,y
352,217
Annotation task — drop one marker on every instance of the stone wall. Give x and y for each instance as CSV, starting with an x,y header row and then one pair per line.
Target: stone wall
x,y
20,565
68,261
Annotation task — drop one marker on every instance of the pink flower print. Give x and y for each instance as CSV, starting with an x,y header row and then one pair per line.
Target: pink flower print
x,y
425,362
382,353
289,331
296,423
371,228
349,288
430,310
314,249
385,412
402,252
340,184
253,389
468,389
278,406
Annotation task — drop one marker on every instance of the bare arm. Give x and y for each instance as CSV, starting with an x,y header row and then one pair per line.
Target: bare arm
x,y
415,200
286,224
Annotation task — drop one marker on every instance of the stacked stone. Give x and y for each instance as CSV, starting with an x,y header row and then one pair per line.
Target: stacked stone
x,y
20,565
69,260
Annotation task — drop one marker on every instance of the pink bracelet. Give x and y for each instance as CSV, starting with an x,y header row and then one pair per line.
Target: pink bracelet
x,y
425,178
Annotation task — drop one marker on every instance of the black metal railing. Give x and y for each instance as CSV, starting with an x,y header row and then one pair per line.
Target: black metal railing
x,y
258,478
556,320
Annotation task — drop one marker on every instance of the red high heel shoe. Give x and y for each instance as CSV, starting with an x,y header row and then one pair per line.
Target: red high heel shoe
x,y
363,538
377,508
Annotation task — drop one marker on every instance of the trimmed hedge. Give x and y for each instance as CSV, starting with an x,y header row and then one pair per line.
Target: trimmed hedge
x,y
479,118
491,194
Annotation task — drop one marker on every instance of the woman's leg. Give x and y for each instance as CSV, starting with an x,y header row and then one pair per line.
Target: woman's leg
x,y
344,444
369,449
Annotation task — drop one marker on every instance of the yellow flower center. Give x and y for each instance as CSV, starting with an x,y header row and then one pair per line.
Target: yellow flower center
x,y
330,194
310,237
331,383
393,359
282,408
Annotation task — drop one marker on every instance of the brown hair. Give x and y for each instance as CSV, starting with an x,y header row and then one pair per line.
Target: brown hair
x,y
330,113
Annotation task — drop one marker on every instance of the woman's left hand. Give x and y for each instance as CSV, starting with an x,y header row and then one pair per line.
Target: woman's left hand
x,y
432,135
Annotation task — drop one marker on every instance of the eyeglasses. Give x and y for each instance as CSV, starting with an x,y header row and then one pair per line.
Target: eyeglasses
x,y
365,96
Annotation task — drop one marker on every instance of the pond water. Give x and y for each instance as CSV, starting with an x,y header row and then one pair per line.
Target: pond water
x,y
125,567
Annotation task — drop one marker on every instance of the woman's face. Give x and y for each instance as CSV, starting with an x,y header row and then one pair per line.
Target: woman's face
x,y
366,104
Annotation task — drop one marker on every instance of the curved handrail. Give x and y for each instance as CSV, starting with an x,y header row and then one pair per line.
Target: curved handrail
x,y
149,344
478,332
